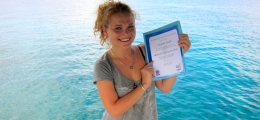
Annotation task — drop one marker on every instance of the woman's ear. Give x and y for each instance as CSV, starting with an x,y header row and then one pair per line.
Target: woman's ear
x,y
104,30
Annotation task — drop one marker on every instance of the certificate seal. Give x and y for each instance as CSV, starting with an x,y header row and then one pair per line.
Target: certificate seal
x,y
157,73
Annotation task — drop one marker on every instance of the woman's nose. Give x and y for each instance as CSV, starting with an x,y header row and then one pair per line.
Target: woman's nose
x,y
125,31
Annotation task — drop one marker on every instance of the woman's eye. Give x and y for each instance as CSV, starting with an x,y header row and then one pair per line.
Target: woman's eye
x,y
131,26
118,28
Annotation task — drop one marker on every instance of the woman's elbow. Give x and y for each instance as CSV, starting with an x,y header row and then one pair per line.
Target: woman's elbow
x,y
114,114
166,90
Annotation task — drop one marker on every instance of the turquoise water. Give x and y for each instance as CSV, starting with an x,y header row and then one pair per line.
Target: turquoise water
x,y
47,53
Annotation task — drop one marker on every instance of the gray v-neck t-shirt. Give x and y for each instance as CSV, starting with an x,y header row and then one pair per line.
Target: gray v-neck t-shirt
x,y
144,109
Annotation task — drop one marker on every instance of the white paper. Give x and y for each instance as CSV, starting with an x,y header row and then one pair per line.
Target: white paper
x,y
166,53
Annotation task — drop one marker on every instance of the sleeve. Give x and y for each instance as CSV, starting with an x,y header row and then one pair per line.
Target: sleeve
x,y
102,71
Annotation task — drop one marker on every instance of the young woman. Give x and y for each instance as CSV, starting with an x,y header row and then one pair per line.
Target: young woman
x,y
123,79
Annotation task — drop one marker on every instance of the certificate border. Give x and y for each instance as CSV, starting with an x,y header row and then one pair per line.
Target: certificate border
x,y
174,25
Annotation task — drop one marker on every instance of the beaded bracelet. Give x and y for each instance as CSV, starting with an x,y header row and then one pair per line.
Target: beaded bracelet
x,y
142,87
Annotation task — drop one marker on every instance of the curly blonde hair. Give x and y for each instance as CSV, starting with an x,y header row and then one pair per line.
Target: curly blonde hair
x,y
104,12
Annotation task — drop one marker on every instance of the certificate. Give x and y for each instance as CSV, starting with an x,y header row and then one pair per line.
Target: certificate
x,y
162,47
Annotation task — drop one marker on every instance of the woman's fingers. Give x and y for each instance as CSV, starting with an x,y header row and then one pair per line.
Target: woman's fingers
x,y
184,35
148,69
147,74
184,39
149,64
185,46
184,42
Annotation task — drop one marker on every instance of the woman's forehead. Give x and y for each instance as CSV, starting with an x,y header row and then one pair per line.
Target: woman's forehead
x,y
121,18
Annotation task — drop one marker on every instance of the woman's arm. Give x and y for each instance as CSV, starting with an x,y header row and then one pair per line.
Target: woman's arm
x,y
165,85
114,105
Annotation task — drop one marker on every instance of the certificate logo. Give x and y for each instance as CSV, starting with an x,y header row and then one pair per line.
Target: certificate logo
x,y
157,73
178,67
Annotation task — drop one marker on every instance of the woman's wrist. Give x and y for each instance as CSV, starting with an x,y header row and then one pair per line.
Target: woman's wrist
x,y
145,85
141,85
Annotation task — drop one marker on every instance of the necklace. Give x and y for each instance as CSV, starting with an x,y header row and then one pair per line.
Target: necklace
x,y
131,66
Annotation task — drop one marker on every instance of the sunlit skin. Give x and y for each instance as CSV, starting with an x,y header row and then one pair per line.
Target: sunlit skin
x,y
121,32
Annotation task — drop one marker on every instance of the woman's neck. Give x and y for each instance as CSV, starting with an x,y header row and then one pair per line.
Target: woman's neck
x,y
121,53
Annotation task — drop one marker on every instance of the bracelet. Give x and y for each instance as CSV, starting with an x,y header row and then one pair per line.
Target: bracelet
x,y
142,87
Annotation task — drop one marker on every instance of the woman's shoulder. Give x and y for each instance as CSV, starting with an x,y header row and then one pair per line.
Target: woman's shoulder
x,y
103,59
140,46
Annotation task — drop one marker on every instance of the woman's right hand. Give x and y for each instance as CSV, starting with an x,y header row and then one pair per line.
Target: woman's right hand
x,y
147,75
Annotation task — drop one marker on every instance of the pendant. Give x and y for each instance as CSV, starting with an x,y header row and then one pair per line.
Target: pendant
x,y
131,67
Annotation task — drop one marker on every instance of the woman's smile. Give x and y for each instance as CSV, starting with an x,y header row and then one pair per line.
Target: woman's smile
x,y
121,30
125,39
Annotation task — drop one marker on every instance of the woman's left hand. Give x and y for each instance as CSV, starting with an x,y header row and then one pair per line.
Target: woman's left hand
x,y
184,42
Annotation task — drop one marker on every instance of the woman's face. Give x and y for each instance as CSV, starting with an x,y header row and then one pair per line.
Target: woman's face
x,y
121,30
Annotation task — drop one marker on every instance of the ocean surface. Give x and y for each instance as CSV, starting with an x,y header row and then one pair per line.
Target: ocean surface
x,y
48,51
